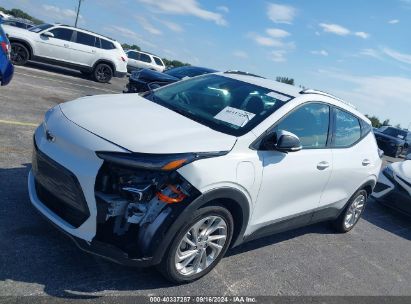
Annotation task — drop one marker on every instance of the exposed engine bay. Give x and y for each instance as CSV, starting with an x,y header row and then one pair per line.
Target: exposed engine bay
x,y
129,200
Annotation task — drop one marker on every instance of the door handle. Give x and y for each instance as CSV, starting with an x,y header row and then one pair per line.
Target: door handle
x,y
66,45
93,51
366,162
323,165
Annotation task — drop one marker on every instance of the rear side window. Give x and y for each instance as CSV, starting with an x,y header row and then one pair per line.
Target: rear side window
x,y
347,129
62,33
158,61
107,45
310,123
86,39
145,58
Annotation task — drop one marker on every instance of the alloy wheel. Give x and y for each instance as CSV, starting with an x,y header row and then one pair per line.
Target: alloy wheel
x,y
201,245
103,73
18,54
354,211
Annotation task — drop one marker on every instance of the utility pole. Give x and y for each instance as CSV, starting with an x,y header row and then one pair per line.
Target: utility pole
x,y
78,12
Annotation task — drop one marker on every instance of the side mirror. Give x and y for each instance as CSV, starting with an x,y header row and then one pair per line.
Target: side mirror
x,y
282,141
48,34
406,145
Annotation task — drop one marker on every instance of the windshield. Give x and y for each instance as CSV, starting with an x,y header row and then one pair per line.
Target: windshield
x,y
395,132
221,103
39,28
182,72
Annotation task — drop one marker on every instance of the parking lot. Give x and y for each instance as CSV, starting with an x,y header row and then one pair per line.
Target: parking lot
x,y
36,259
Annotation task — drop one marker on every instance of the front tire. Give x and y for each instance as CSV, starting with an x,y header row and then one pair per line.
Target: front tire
x,y
19,54
103,73
199,245
352,212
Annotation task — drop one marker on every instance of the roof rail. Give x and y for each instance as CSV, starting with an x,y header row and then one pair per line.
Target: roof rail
x,y
312,91
91,32
242,73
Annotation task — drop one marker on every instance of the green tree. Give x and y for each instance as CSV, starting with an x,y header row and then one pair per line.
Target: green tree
x,y
18,13
285,80
174,63
130,47
398,126
376,123
386,122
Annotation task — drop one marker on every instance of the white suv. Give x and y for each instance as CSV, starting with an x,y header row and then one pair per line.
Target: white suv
x,y
175,177
69,47
140,60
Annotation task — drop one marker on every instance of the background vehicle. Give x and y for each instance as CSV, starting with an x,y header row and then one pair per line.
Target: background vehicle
x,y
138,60
6,67
20,23
393,141
178,176
394,186
70,47
144,80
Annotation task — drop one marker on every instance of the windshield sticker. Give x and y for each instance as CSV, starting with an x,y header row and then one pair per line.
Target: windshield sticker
x,y
278,96
234,116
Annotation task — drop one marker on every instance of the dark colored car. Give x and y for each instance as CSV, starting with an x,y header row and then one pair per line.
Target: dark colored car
x,y
21,23
146,80
6,67
393,141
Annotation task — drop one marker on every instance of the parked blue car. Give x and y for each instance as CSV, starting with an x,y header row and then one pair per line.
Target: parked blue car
x,y
6,67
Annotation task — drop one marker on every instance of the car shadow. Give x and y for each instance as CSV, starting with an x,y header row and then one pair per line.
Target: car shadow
x,y
32,251
388,219
58,70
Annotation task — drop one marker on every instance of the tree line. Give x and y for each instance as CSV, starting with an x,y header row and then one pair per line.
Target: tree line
x,y
18,13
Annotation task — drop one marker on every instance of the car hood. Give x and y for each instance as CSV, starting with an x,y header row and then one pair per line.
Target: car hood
x,y
147,75
403,170
140,125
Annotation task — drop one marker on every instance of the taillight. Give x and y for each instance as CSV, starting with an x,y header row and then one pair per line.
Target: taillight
x,y
6,48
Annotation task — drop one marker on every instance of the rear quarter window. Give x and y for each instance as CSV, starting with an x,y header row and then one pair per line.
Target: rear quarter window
x,y
107,45
347,129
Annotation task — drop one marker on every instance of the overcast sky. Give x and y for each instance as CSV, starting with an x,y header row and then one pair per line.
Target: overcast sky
x,y
358,50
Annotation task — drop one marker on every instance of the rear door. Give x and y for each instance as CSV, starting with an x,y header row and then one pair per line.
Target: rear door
x,y
133,62
57,47
83,48
355,158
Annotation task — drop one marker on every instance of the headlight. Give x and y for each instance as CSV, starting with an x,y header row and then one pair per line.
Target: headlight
x,y
156,162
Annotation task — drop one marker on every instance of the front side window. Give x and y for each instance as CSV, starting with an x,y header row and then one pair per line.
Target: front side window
x,y
132,55
145,58
310,123
347,129
86,39
62,33
221,103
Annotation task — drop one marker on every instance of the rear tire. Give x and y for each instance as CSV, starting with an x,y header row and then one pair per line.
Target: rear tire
x,y
19,54
190,255
352,212
102,73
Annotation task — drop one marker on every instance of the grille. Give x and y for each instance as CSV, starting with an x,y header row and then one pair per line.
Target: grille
x,y
58,189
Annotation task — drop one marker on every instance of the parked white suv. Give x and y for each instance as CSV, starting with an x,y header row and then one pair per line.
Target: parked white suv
x,y
138,60
69,47
175,177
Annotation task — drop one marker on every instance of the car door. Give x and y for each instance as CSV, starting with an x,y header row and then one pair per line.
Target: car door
x,y
355,159
84,49
145,61
292,183
57,47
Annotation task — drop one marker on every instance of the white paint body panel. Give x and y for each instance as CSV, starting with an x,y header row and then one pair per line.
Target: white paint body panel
x,y
140,125
276,185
